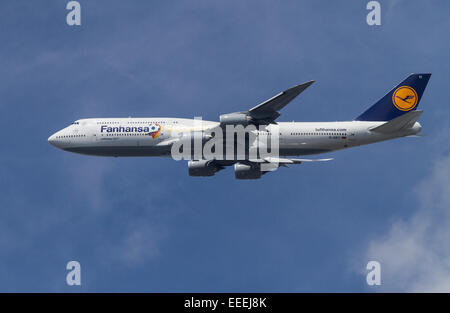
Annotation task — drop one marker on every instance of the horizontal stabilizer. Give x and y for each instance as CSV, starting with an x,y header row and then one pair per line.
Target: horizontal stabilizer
x,y
404,121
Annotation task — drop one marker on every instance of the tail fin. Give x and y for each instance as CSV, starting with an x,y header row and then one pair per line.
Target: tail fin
x,y
402,99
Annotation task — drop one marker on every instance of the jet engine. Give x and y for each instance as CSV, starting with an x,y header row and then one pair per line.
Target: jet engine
x,y
202,168
195,136
237,118
246,118
247,171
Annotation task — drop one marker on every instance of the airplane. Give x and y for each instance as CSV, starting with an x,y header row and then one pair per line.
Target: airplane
x,y
390,117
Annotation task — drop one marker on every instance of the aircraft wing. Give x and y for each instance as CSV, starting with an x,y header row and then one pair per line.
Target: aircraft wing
x,y
270,164
246,169
277,102
285,161
267,111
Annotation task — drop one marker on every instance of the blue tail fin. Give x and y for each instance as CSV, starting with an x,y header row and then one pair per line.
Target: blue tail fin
x,y
403,98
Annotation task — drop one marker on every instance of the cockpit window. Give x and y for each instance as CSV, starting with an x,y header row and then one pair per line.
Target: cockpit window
x,y
75,123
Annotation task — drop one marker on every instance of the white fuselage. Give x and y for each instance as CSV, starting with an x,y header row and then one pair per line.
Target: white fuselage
x,y
130,136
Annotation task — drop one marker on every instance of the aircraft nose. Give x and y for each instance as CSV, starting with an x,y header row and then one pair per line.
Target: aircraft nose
x,y
52,140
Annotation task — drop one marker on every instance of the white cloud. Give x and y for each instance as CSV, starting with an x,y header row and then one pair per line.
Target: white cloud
x,y
415,254
141,245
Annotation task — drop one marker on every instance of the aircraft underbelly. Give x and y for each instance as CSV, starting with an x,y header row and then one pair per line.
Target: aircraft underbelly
x,y
121,150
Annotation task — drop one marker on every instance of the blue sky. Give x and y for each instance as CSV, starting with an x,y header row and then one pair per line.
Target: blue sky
x,y
142,224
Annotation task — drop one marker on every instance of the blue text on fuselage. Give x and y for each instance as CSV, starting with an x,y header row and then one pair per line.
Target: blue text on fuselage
x,y
122,129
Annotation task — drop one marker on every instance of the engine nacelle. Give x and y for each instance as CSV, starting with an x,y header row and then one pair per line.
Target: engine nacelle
x,y
202,168
246,171
235,119
195,136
